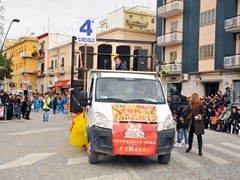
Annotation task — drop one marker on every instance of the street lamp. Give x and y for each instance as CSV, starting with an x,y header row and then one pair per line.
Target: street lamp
x,y
14,20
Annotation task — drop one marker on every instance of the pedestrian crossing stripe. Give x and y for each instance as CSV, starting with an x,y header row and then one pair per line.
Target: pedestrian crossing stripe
x,y
26,160
185,160
231,145
177,156
34,131
211,157
222,150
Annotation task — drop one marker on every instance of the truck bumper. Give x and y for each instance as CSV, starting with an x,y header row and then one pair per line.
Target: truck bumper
x,y
101,140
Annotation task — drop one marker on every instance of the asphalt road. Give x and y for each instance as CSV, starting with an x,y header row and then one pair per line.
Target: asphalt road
x,y
37,150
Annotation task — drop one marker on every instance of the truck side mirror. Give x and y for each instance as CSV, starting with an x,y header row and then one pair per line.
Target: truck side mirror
x,y
83,99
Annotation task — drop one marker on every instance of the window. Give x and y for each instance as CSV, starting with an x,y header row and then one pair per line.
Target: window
x,y
56,65
141,20
52,63
174,26
213,15
130,18
207,17
62,60
206,51
201,19
152,20
173,56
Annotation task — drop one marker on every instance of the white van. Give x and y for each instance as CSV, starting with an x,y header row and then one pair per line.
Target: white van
x,y
127,114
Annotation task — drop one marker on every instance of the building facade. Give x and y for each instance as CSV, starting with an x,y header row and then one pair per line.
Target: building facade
x,y
136,18
203,36
22,53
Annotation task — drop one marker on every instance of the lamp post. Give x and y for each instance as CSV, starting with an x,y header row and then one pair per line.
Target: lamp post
x,y
14,20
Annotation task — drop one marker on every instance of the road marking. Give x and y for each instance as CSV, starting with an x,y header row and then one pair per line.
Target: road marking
x,y
184,160
211,157
26,160
120,176
231,145
222,150
77,160
34,131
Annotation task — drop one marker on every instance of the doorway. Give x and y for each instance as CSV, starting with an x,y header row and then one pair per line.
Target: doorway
x,y
211,88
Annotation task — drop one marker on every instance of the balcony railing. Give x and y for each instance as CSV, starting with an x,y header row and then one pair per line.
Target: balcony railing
x,y
170,39
27,70
40,73
172,68
50,72
60,70
136,22
25,54
170,9
233,24
232,62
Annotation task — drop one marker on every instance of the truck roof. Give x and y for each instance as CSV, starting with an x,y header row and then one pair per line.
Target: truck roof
x,y
117,73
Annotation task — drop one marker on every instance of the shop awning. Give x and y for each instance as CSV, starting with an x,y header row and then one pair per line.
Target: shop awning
x,y
62,84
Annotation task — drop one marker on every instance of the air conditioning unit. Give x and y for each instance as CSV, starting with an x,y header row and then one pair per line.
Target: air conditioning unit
x,y
185,77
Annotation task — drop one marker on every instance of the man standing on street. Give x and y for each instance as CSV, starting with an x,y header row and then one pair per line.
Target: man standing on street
x,y
119,64
46,107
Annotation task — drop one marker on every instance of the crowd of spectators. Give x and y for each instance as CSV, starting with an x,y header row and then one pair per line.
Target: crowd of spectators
x,y
220,116
24,104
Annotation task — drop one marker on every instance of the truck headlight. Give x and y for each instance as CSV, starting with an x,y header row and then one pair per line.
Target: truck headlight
x,y
169,122
101,120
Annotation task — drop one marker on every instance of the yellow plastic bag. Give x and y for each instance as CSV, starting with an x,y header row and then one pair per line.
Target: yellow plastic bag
x,y
79,131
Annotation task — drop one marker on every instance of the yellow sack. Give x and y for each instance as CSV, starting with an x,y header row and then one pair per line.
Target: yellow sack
x,y
79,131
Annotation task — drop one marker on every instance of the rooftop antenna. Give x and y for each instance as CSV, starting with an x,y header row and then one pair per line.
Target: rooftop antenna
x,y
48,25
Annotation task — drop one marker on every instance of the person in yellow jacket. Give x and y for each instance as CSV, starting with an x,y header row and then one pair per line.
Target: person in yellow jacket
x,y
46,107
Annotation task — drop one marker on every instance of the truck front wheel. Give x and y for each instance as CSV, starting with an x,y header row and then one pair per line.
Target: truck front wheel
x,y
164,159
92,155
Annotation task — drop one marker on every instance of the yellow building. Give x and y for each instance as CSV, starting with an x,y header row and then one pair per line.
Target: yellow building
x,y
23,54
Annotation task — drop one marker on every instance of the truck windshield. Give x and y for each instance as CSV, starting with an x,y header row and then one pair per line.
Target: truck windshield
x,y
129,90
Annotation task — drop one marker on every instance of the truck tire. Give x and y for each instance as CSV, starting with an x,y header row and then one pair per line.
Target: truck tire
x,y
164,159
92,156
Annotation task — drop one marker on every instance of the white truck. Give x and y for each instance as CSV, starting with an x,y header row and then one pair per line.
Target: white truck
x,y
127,114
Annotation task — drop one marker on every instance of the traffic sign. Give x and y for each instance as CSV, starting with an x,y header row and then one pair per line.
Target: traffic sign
x,y
86,32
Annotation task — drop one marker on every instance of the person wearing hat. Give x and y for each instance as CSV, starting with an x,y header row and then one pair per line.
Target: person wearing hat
x,y
234,116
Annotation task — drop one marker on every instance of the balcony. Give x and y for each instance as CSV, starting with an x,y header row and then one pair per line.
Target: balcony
x,y
232,62
172,68
50,72
170,9
232,25
60,70
39,73
25,54
27,70
39,56
170,39
135,22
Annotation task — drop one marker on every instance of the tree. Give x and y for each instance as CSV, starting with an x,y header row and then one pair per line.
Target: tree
x,y
5,67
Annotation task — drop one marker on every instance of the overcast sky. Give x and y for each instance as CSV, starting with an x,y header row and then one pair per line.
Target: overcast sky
x,y
58,16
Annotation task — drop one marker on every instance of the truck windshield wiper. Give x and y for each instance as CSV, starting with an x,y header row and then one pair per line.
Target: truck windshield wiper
x,y
142,100
115,99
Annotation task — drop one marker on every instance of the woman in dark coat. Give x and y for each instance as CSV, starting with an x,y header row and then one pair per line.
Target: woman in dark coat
x,y
9,104
195,112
